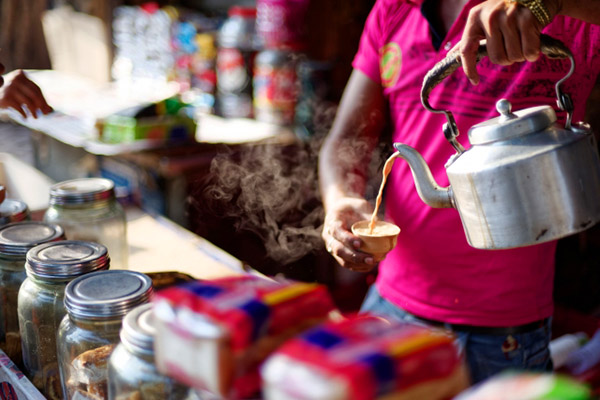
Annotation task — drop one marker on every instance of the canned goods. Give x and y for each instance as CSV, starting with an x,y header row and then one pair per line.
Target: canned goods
x,y
96,304
132,373
16,240
50,267
275,88
13,211
235,61
88,210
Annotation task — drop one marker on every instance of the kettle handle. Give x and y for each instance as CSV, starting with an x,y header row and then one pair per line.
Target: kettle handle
x,y
549,46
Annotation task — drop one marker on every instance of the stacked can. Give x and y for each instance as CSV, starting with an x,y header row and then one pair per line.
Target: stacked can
x,y
280,29
236,51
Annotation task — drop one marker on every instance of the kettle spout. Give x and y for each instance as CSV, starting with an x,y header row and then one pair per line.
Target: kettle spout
x,y
430,192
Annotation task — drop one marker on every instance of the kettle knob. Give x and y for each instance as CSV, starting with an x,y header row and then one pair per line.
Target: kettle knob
x,y
504,107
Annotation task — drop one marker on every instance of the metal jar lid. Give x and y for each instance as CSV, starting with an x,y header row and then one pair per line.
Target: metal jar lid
x,y
137,333
13,211
66,259
18,238
82,191
105,295
511,125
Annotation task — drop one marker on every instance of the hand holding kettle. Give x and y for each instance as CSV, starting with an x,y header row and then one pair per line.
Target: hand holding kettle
x,y
512,29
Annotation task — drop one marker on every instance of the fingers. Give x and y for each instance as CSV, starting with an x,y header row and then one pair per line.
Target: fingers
x,y
21,93
511,31
343,246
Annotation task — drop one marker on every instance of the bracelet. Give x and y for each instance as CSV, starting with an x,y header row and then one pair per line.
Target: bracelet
x,y
538,9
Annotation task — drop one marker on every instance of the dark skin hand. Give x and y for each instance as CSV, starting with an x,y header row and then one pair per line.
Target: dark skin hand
x,y
19,92
511,30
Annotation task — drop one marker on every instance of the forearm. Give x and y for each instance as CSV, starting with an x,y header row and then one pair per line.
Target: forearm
x,y
347,149
586,10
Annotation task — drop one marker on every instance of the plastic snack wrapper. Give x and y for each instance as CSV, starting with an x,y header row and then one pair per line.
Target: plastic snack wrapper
x,y
366,357
213,335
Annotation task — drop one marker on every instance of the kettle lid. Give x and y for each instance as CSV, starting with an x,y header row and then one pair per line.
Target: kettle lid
x,y
511,125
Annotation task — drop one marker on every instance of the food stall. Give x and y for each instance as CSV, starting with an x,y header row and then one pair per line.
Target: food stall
x,y
224,300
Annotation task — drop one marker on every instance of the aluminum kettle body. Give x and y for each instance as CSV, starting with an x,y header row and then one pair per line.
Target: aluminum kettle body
x,y
517,185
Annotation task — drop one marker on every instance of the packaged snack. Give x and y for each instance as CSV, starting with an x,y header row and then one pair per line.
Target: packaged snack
x,y
212,335
365,357
514,385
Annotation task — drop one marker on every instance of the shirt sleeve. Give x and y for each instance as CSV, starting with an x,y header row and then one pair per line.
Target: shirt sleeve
x,y
367,56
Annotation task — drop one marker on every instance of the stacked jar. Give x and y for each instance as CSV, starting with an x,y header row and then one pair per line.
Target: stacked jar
x,y
87,209
16,240
96,304
236,49
280,28
12,210
50,267
132,373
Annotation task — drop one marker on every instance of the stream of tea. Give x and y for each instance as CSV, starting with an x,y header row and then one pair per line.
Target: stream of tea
x,y
386,171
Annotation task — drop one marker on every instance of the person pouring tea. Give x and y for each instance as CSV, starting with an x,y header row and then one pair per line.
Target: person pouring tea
x,y
498,303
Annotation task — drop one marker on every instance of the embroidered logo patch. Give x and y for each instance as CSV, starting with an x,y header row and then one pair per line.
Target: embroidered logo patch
x,y
390,63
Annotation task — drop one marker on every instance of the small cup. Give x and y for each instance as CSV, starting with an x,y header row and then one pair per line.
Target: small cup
x,y
380,242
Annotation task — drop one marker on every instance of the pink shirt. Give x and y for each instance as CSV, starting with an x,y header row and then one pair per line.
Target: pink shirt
x,y
433,272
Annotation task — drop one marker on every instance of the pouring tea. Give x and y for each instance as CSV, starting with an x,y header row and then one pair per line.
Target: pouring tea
x,y
525,179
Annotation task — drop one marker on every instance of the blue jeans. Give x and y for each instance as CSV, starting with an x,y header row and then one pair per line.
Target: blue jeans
x,y
486,355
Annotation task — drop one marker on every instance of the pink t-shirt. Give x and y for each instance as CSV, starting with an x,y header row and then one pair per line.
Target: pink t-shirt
x,y
433,272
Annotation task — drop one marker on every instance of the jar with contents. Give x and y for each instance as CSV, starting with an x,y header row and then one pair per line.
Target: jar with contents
x,y
50,267
13,211
87,209
16,240
96,304
132,373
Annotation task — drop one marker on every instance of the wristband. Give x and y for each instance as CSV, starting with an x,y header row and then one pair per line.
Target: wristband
x,y
538,9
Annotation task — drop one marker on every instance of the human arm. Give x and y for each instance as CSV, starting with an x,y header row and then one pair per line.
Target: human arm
x,y
512,32
19,92
343,161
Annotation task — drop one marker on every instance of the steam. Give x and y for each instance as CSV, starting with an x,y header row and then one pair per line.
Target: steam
x,y
273,191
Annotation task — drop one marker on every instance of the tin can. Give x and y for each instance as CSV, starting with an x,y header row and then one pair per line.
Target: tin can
x,y
88,210
96,304
132,374
50,267
235,61
16,240
275,86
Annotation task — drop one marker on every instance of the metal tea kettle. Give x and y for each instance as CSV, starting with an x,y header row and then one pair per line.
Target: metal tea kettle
x,y
525,180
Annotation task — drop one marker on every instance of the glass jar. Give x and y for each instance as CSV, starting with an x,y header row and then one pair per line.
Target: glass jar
x,y
13,211
132,373
49,268
15,241
96,304
87,209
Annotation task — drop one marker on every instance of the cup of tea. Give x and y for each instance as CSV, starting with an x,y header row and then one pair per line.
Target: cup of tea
x,y
380,241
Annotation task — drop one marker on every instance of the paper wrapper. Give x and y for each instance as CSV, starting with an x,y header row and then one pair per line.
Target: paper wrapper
x,y
15,385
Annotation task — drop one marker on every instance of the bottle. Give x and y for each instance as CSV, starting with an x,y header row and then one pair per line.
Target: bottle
x,y
87,209
236,49
132,373
50,267
96,304
16,240
275,86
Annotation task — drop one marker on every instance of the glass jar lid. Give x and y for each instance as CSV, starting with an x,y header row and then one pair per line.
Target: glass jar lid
x,y
13,211
17,238
138,330
66,259
107,294
82,191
